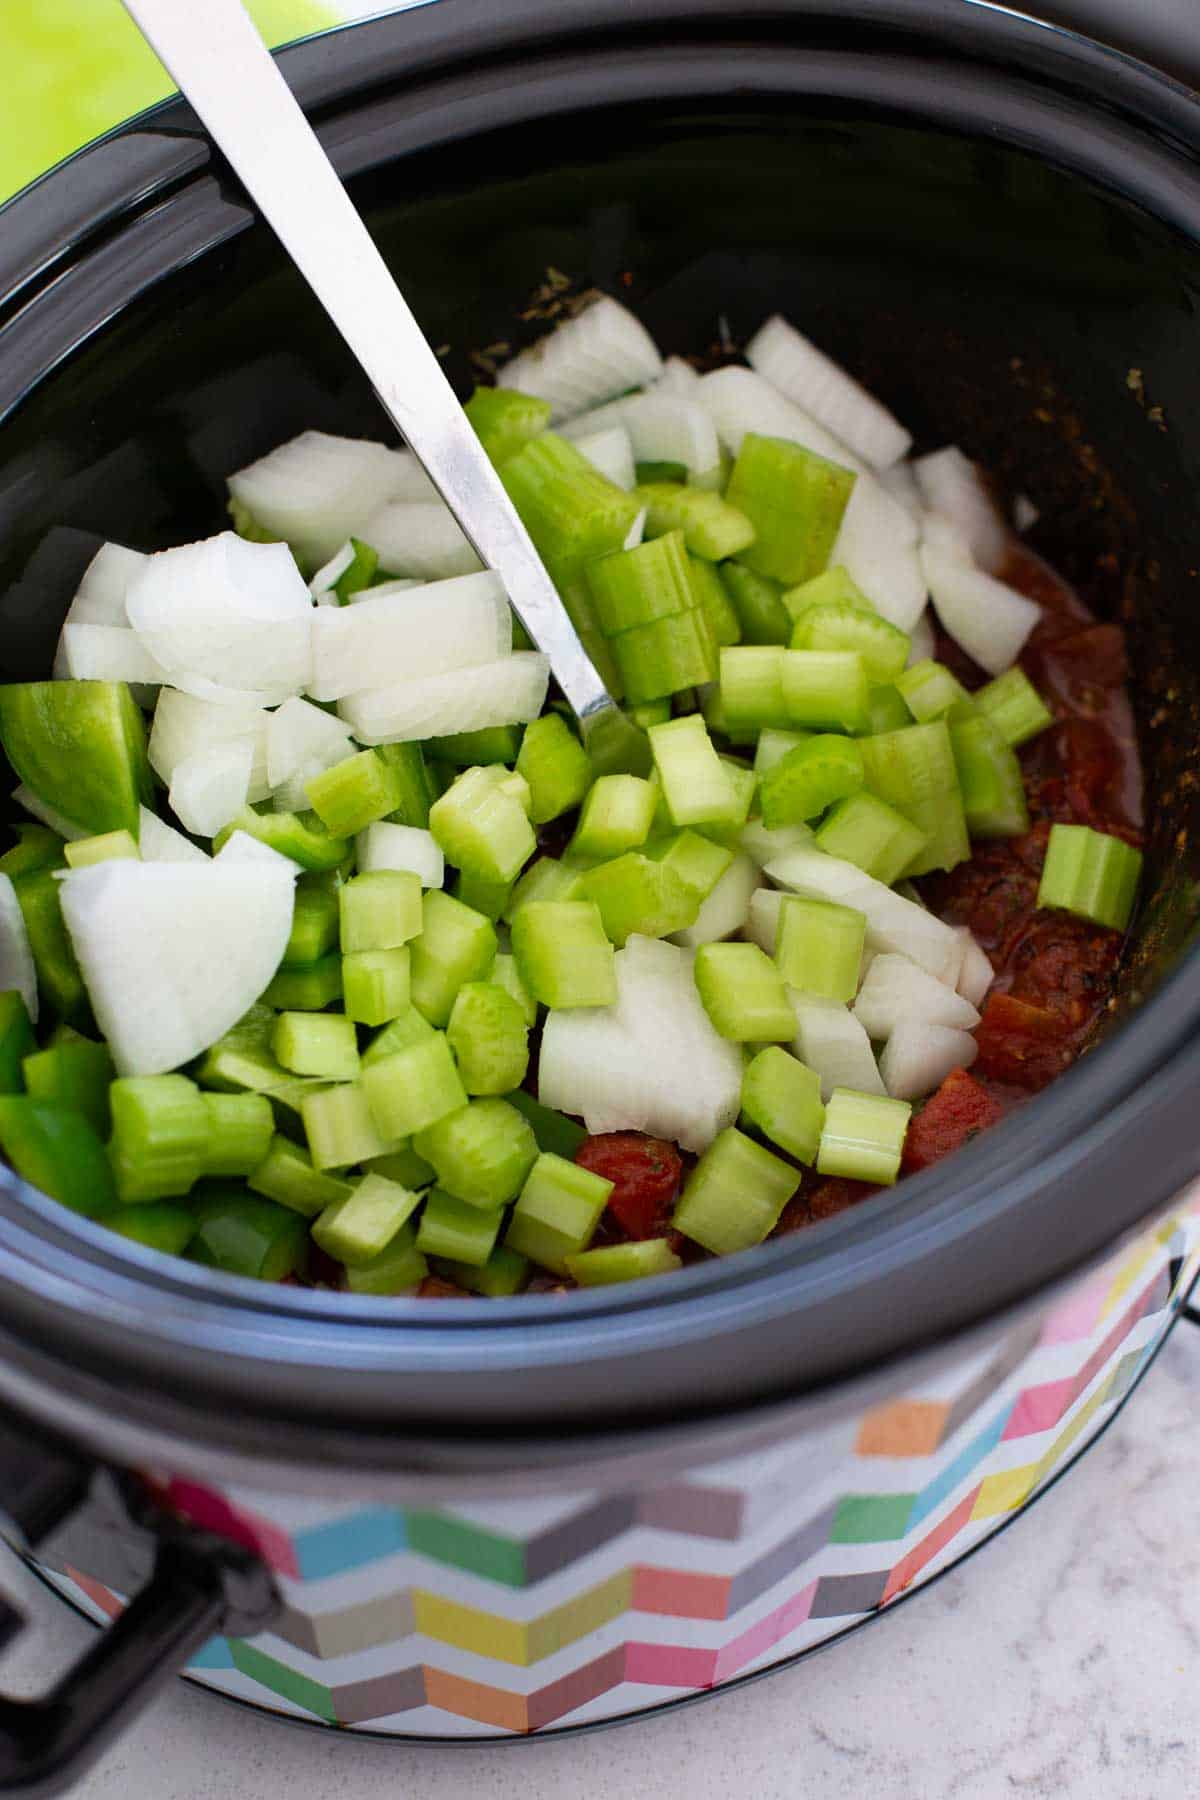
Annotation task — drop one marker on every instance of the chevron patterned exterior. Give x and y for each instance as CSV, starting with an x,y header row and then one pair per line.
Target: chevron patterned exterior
x,y
527,1615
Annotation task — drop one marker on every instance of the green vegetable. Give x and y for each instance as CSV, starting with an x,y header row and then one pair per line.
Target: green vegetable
x,y
863,1136
301,836
743,994
1091,874
314,926
159,1136
616,816
287,1175
246,1235
482,1152
563,954
782,1099
1013,705
408,1027
733,1197
636,893
553,1130
623,1262
16,1042
929,690
835,587
883,648
712,528
636,587
713,601
81,747
989,779
695,783
819,948
572,513
323,1044
110,846
456,945
395,1270
413,786
412,1089
759,604
60,984
361,1224
55,1149
239,1132
826,690
454,1229
505,420
794,500
354,793
309,989
504,1272
482,829
557,1212
665,657
37,847
376,984
506,975
74,1073
808,779
871,835
340,1127
556,766
158,1225
489,1037
380,910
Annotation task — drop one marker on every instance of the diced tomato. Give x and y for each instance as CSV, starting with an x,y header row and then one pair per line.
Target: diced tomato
x,y
645,1173
434,1288
1021,1044
959,1111
1065,965
811,1205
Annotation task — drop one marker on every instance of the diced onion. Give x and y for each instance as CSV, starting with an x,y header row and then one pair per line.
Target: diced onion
x,y
918,1057
186,726
977,974
610,451
100,598
388,846
316,491
951,485
209,788
419,537
805,375
897,991
830,1040
725,909
893,923
160,842
601,352
988,620
510,692
402,634
301,735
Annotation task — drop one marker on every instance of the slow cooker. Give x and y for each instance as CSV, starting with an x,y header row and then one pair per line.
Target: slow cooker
x,y
455,1520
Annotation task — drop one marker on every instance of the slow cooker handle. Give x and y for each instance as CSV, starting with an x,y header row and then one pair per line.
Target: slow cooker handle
x,y
199,1585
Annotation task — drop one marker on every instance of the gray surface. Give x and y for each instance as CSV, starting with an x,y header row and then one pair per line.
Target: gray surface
x,y
1063,1662
1163,31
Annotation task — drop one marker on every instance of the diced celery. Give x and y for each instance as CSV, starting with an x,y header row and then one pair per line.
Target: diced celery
x,y
636,894
110,846
733,1197
361,1224
825,689
929,690
506,420
752,687
242,1059
794,500
504,1272
773,746
819,947
340,1126
377,984
314,926
491,898
914,772
456,945
556,766
651,712
60,984
240,1127
16,1043
883,648
412,783
402,1165
835,587
489,1037
156,1224
506,975
396,1269
863,1137
380,910
286,1174
887,711
353,794
695,859
481,828
553,1130
1091,874
454,1229
758,602
665,657
1014,706
572,513
713,601
616,816
302,836
989,779
246,1235
482,1152
317,1044
647,472
545,879
562,953
408,1027
623,1262
782,1099
943,824
871,835
743,994
557,1212
56,1150
308,989
412,1089
638,586
37,847
808,779
75,1072
472,749
712,528
695,784
159,1136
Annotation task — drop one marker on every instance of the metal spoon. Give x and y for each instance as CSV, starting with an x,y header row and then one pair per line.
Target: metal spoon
x,y
224,69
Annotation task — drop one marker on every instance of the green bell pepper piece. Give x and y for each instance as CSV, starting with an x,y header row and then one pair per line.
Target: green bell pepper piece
x,y
16,1042
246,1235
37,847
56,1150
60,983
81,747
77,1074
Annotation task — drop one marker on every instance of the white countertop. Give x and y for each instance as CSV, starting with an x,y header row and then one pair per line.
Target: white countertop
x,y
1063,1661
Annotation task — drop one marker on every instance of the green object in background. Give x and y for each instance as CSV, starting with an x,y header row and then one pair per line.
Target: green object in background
x,y
76,68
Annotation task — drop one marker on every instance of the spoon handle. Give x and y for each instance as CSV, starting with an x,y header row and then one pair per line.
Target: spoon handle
x,y
224,69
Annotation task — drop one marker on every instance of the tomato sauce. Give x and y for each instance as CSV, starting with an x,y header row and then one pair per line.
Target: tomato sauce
x,y
1054,973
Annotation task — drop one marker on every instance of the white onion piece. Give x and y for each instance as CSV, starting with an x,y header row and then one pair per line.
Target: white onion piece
x,y
951,485
209,788
100,597
893,923
896,991
160,842
764,845
404,634
921,641
419,537
107,653
901,484
805,375
725,909
940,535
878,545
984,617
661,428
17,970
388,846
602,351
678,377
618,1067
762,918
241,847
738,401
977,974
174,954
917,1058
831,1042
610,451
186,726
330,573
300,734
226,611
37,808
315,491
510,692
